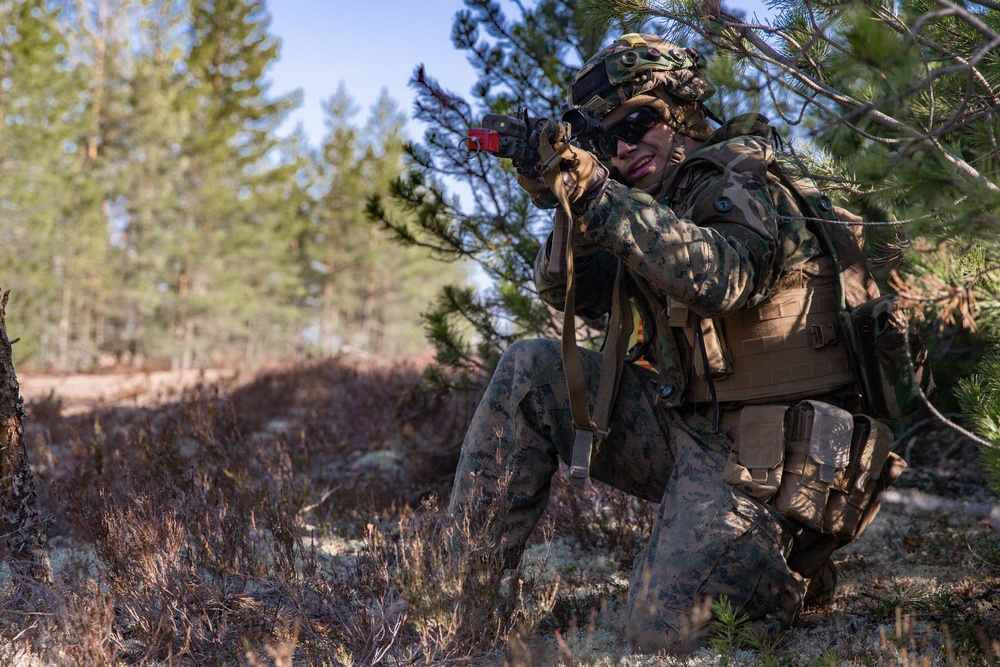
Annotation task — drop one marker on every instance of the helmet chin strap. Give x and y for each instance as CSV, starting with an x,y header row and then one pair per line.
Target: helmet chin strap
x,y
657,179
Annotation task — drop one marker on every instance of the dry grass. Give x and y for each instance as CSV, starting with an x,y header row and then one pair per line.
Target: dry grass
x,y
295,520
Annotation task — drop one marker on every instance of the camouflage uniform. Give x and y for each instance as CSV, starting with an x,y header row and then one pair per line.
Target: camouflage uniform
x,y
709,539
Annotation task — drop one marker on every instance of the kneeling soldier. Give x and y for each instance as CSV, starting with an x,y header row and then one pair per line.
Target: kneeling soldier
x,y
750,433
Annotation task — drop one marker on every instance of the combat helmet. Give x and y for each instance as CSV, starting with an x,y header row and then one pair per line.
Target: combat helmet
x,y
640,69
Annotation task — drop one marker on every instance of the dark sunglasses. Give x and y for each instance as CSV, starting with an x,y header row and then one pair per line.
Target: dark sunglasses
x,y
630,129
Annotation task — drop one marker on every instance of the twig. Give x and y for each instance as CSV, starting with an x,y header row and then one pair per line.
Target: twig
x,y
930,406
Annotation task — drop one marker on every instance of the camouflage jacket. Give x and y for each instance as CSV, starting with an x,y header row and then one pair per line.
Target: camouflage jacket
x,y
719,239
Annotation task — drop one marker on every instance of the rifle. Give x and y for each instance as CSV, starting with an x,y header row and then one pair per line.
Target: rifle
x,y
513,137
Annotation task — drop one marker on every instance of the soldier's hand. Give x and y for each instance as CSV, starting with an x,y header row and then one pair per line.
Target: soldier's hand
x,y
538,190
569,168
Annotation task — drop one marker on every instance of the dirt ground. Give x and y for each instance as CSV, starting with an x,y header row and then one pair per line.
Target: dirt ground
x,y
83,392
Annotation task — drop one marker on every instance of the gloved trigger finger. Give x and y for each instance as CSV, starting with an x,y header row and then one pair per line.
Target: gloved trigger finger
x,y
569,163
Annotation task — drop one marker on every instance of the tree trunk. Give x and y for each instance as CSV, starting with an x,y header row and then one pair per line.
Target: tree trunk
x,y
364,333
329,320
101,47
20,520
184,329
62,353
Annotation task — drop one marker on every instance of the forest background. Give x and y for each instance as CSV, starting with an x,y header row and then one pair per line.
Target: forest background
x,y
158,218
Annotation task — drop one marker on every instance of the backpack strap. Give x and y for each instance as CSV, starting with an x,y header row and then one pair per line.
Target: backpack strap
x,y
856,283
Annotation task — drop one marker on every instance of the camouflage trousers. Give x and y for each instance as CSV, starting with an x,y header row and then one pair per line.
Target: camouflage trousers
x,y
709,539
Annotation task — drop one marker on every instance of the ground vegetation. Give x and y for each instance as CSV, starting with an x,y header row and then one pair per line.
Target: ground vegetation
x,y
294,517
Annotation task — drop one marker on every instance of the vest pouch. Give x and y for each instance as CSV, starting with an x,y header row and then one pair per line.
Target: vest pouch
x,y
870,449
701,332
817,455
879,343
755,460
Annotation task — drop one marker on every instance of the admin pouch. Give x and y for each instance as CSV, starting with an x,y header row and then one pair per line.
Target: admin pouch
x,y
814,463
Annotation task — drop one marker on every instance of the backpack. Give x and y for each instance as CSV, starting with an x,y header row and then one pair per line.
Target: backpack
x,y
886,351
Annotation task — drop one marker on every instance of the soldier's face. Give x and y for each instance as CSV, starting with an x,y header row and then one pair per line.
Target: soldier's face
x,y
651,155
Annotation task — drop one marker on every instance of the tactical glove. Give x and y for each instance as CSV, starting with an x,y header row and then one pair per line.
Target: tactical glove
x,y
537,189
569,168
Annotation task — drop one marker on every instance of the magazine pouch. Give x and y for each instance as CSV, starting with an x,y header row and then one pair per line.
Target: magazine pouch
x,y
755,460
873,467
817,457
815,463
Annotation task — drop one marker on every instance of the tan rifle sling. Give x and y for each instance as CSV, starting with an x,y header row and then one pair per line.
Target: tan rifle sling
x,y
589,432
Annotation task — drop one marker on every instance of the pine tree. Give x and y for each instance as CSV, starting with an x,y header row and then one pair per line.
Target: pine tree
x,y
151,214
236,199
370,291
526,62
100,34
331,265
151,186
40,126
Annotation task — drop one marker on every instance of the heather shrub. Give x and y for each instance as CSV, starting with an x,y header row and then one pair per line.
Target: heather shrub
x,y
297,519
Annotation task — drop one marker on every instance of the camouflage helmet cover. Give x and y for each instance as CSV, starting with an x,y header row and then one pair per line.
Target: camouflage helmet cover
x,y
637,64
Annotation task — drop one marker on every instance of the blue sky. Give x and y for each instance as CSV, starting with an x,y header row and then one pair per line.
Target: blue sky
x,y
369,45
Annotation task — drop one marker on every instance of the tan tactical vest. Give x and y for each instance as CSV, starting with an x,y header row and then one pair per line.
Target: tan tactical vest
x,y
788,347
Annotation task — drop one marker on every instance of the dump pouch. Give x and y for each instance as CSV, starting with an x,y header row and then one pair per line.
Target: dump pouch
x,y
879,343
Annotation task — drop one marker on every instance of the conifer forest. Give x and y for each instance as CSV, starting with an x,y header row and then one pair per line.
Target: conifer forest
x,y
156,218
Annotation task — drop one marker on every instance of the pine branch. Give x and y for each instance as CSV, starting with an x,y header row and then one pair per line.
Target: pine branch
x,y
731,34
933,410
